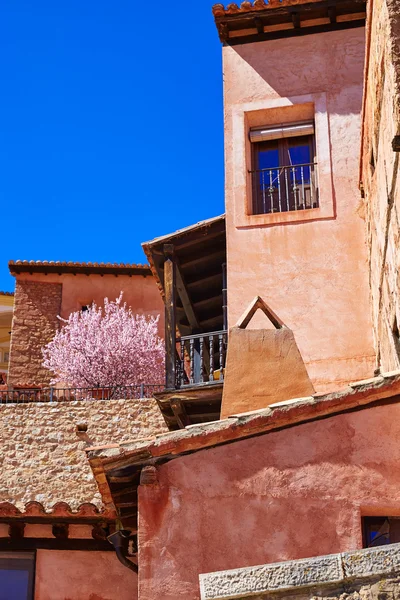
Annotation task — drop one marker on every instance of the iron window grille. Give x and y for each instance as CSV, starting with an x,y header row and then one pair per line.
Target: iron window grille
x,y
379,531
284,173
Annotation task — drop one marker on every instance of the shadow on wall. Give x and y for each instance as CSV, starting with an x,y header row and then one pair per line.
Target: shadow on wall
x,y
318,68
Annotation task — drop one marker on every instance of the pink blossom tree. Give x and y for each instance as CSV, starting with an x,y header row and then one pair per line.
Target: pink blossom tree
x,y
106,347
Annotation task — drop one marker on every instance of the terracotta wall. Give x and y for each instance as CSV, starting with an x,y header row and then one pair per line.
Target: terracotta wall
x,y
289,494
39,298
313,272
36,306
381,175
69,575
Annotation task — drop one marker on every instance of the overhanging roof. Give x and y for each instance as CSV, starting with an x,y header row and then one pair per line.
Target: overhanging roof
x,y
117,467
259,21
200,251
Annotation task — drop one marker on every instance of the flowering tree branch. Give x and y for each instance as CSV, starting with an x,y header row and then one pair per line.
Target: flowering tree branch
x,y
106,347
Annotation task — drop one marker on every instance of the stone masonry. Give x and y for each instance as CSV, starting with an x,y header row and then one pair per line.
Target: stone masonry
x,y
380,175
42,455
35,322
370,574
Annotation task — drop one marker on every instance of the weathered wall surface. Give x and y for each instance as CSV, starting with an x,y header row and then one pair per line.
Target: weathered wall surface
x,y
381,175
286,495
39,298
42,458
36,306
68,575
313,273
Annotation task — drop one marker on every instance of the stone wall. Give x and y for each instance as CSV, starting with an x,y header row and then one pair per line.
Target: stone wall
x,y
42,456
380,175
34,324
369,574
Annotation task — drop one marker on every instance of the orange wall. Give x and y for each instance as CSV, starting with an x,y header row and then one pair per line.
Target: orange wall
x,y
71,575
289,494
313,273
140,293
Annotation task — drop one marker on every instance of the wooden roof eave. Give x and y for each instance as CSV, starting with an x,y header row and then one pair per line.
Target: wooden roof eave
x,y
180,241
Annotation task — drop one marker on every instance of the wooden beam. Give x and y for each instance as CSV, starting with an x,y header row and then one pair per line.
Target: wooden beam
x,y
186,301
296,20
258,303
332,14
23,544
259,25
170,316
202,262
121,478
178,408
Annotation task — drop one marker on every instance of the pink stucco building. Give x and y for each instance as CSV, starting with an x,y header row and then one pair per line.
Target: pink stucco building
x,y
310,262
285,310
45,290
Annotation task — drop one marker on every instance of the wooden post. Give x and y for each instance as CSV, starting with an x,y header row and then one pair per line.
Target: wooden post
x,y
170,316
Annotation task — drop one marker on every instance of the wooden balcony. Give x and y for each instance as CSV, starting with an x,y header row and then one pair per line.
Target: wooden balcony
x,y
190,269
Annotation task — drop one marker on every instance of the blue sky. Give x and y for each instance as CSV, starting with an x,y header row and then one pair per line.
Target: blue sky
x,y
111,128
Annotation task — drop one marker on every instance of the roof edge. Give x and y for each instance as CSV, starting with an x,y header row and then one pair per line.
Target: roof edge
x,y
58,267
238,427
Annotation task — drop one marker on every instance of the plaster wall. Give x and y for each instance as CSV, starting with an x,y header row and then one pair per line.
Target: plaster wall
x,y
70,575
310,267
289,494
35,316
140,292
380,173
42,456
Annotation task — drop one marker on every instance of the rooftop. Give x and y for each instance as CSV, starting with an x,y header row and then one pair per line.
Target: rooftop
x,y
199,251
118,467
259,21
87,268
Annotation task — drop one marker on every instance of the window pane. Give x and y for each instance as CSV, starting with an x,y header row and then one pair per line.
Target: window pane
x,y
14,584
299,154
16,575
268,159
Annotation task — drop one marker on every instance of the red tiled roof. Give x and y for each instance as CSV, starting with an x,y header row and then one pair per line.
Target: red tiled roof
x,y
219,10
6,293
244,425
35,510
88,268
139,454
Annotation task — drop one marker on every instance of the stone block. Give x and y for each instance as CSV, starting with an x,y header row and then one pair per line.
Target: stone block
x,y
335,571
251,581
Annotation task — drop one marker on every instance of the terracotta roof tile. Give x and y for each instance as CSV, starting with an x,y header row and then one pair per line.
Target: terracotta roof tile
x,y
51,266
60,509
240,426
219,10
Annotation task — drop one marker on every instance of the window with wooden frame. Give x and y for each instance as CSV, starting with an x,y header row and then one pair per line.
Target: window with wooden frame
x,y
283,168
379,531
17,571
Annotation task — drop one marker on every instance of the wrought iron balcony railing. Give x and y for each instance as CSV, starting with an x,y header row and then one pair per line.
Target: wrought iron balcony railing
x,y
53,394
284,189
201,358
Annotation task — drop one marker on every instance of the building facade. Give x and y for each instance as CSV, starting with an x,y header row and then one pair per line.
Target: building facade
x,y
44,291
285,310
295,234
